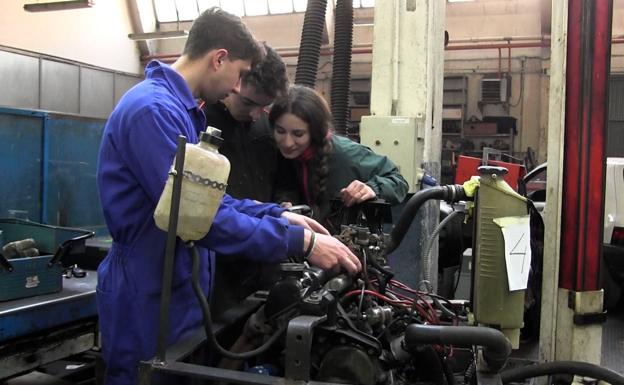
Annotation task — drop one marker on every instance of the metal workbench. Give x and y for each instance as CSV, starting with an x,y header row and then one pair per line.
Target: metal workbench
x,y
41,329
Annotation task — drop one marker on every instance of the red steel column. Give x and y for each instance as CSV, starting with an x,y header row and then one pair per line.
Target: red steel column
x,y
587,80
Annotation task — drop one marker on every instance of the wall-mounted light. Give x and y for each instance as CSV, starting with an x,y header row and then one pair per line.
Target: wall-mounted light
x,y
58,5
158,35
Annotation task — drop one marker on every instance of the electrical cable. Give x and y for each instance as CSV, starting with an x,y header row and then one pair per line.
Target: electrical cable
x,y
203,302
345,316
363,283
461,263
430,242
576,368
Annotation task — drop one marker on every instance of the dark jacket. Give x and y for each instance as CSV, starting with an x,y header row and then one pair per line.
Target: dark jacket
x,y
251,150
253,155
349,161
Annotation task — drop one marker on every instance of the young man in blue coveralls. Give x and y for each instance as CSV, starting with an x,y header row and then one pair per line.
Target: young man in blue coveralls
x,y
138,147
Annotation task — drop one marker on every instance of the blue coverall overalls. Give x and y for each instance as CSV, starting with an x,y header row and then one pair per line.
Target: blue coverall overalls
x,y
137,150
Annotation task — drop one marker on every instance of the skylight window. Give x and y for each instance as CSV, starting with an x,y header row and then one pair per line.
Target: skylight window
x,y
188,10
256,8
363,3
280,6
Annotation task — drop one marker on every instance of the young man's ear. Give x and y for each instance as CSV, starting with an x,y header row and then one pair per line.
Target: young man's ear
x,y
219,56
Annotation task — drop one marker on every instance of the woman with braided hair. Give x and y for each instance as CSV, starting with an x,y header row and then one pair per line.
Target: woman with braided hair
x,y
327,165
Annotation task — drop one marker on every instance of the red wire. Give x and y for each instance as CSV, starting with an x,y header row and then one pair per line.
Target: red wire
x,y
423,313
426,315
434,319
377,295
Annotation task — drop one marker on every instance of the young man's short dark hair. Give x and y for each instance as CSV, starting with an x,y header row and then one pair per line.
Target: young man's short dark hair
x,y
215,29
268,76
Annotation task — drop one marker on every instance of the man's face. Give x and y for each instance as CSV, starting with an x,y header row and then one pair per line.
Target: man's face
x,y
248,104
226,81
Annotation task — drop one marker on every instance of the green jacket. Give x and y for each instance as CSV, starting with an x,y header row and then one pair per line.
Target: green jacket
x,y
349,161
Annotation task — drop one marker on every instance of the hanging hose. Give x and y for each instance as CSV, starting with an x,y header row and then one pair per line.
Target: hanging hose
x,y
576,368
341,69
450,193
310,47
203,302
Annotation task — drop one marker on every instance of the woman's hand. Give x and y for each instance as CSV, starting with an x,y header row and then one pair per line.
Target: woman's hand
x,y
306,222
356,192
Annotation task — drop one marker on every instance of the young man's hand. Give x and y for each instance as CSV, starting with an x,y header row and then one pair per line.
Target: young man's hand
x,y
356,192
329,253
306,222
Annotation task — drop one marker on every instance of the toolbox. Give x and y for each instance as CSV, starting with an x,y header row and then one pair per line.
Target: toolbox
x,y
30,276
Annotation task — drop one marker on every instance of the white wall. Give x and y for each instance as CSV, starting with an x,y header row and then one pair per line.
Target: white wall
x,y
96,36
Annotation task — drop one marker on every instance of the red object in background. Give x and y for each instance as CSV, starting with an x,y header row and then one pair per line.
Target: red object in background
x,y
516,172
467,167
587,98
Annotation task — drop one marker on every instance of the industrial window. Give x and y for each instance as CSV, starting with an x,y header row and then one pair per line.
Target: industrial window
x,y
363,3
187,10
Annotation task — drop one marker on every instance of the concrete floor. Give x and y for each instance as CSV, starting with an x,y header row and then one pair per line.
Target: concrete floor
x,y
613,340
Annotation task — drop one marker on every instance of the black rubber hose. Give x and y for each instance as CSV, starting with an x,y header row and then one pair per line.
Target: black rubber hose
x,y
203,303
341,67
451,193
470,374
576,368
310,47
496,347
448,371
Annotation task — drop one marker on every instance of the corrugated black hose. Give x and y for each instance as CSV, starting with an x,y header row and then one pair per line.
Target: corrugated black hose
x,y
310,46
341,69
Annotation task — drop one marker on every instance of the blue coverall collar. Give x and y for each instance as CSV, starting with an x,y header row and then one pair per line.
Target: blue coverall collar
x,y
155,69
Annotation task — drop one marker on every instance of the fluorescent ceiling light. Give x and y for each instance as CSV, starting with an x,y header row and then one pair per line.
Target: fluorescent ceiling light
x,y
58,5
159,35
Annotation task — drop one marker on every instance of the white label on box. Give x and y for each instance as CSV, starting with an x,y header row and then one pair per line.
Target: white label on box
x,y
517,235
32,281
400,120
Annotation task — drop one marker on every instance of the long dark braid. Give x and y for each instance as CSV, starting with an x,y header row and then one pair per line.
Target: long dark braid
x,y
319,175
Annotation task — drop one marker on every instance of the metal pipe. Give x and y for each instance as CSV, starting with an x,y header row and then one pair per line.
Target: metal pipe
x,y
395,57
499,63
165,296
492,39
543,43
367,49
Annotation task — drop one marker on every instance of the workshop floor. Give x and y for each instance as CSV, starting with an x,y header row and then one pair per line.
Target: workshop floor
x,y
613,340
